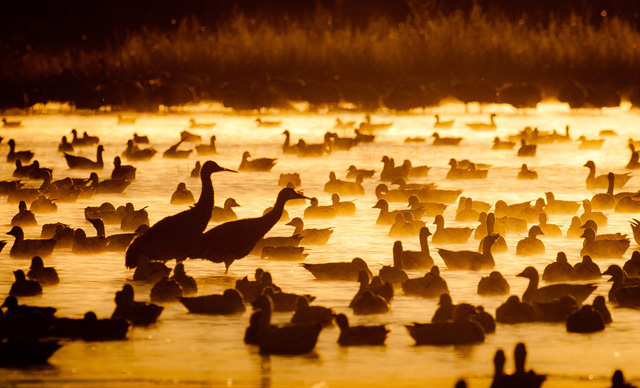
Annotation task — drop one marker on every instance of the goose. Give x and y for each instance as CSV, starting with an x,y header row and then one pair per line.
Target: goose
x,y
502,145
520,377
605,201
107,186
24,218
376,287
317,211
134,153
559,271
207,149
470,260
309,315
493,285
444,235
340,143
431,209
602,248
553,292
114,243
586,269
138,313
260,164
83,245
26,352
342,208
11,123
283,253
368,126
404,226
225,213
447,311
119,242
467,213
491,126
624,290
599,304
415,259
442,124
585,320
283,302
632,266
394,273
559,207
285,340
589,144
289,241
635,228
574,230
182,195
382,191
293,178
478,206
465,173
62,233
234,240
90,328
166,290
531,245
140,139
120,171
514,311
526,173
30,171
598,217
415,171
195,173
353,172
602,181
390,172
604,236
462,330
22,156
173,152
189,137
78,162
347,271
445,141
29,248
150,271
106,212
173,236
23,287
364,137
628,204
313,150
267,123
250,290
527,149
187,283
498,246
430,286
369,303
607,132
43,205
547,228
341,187
194,124
487,223
513,210
415,140
360,335
634,162
85,140
343,124
310,236
438,195
46,276
466,163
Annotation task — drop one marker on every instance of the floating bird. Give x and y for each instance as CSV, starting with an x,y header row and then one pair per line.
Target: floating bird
x,y
585,320
134,153
225,213
90,328
520,377
260,164
283,253
360,335
78,162
560,207
341,187
602,248
547,228
11,123
444,235
24,218
29,248
107,186
166,290
470,260
43,205
287,178
598,217
267,123
502,145
207,149
83,245
491,126
462,330
65,146
431,285
347,271
140,139
138,313
22,156
174,236
46,276
317,211
445,141
531,245
182,195
187,136
467,213
513,311
230,302
527,149
234,240
553,292
310,236
173,152
343,124
415,259
442,124
602,181
590,144
194,124
308,315
85,140
125,172
586,269
559,271
342,208
492,285
23,287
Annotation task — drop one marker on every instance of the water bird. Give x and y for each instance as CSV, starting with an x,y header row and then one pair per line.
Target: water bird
x,y
632,266
23,287
547,228
267,123
347,271
442,124
404,225
308,315
194,124
225,213
90,328
353,172
316,211
341,187
531,245
599,304
491,126
520,377
390,172
625,291
527,149
234,240
502,145
602,181
367,302
360,335
65,146
334,142
560,207
150,271
11,123
289,253
310,236
124,172
634,161
173,152
514,311
431,209
598,217
602,248
43,205
555,311
553,292
107,186
85,141
83,245
134,153
195,173
470,260
415,259
585,320
252,289
22,156
430,286
138,313
603,236
364,137
189,137
79,162
367,126
559,271
586,269
342,208
470,172
461,330
29,248
415,140
445,141
343,124
259,164
182,195
230,302
46,276
467,213
27,352
166,290
589,144
140,139
292,177
174,236
493,285
24,218
444,235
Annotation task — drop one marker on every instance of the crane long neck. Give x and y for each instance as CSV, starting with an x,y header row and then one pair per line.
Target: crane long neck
x,y
272,216
206,193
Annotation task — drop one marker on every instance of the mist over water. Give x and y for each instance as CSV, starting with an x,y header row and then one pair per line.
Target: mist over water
x,y
196,350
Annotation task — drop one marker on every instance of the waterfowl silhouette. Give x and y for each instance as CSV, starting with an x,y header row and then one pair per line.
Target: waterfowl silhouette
x,y
618,381
24,218
555,311
83,245
22,156
85,141
78,162
287,148
187,136
343,124
405,226
310,236
341,187
267,123
382,191
531,245
599,304
27,352
513,311
445,141
134,153
579,292
251,290
308,315
108,186
207,149
546,228
283,302
632,266
602,248
138,313
347,271
390,172
470,172
467,213
140,139
43,205
314,150
353,172
444,235
415,140
125,172
317,211
492,285
470,260
174,236
589,144
260,164
230,302
367,126
525,173
46,276
442,124
225,213
293,178
488,226
194,124
394,273
150,271
502,145
173,152
620,280
430,286
342,208
338,143
602,181
23,287
586,269
559,207
598,217
461,330
364,137
366,302
195,173
11,123
133,219
559,271
283,253
89,328
634,161
120,242
491,126
500,244
520,377
234,240
585,320
416,259
166,290
182,196
29,248
360,335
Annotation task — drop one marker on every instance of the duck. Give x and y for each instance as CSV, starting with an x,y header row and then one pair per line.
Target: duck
x,y
445,141
586,269
364,137
353,172
438,195
279,241
394,273
267,123
470,172
194,124
390,172
85,141
526,173
491,126
547,228
316,211
632,266
416,259
462,330
309,315
225,213
119,242
442,124
287,148
488,226
23,287
174,236
395,195
559,271
444,235
83,245
527,149
11,123
589,144
124,172
78,162
234,240
250,290
166,290
310,236
182,195
467,213
340,143
605,201
514,311
628,204
260,164
375,286
24,218
195,173
283,302
579,292
138,313
140,139
173,152
89,328
368,126
470,260
574,230
476,205
585,320
43,205
502,145
134,219
22,156
189,137
29,248
500,244
602,248
343,208
598,217
207,149
134,153
347,271
430,286
314,150
341,187
559,207
283,340
373,335
107,186
31,171
602,181
531,245
431,209
415,171
404,226
45,276
493,285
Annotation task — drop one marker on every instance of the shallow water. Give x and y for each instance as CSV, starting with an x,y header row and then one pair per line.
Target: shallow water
x,y
195,350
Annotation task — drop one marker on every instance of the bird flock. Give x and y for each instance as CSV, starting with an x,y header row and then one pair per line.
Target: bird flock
x,y
409,207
